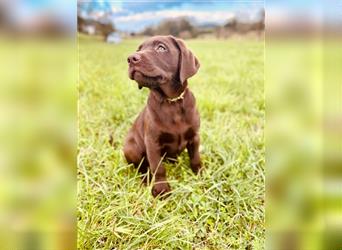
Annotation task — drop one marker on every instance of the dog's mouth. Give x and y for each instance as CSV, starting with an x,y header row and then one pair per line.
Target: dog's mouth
x,y
144,80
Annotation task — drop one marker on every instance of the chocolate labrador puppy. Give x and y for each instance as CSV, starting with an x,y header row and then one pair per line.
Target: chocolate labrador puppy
x,y
169,122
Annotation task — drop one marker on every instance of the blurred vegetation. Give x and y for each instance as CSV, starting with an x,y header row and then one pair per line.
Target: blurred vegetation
x,y
179,27
101,28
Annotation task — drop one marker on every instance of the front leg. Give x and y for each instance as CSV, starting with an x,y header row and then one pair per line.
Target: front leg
x,y
154,157
193,151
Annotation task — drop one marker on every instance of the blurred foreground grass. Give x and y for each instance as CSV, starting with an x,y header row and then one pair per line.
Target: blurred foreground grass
x,y
223,209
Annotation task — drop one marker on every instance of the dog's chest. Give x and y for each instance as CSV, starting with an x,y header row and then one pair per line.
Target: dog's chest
x,y
177,130
177,119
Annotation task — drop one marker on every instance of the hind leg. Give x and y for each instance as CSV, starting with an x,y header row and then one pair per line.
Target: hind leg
x,y
136,155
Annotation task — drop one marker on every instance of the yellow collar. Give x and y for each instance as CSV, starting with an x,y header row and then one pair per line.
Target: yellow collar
x,y
181,96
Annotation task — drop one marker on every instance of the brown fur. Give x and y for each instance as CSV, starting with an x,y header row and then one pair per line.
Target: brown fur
x,y
163,128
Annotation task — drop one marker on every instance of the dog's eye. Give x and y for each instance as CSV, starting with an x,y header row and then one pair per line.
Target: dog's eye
x,y
160,48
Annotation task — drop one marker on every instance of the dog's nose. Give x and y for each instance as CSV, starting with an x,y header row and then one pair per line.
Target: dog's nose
x,y
135,58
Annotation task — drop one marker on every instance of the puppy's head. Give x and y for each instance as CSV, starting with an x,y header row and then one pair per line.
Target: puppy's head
x,y
162,62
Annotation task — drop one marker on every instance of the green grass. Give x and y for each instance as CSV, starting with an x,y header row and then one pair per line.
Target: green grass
x,y
223,208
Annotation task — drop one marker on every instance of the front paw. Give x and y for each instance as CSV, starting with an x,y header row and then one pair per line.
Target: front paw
x,y
196,168
161,189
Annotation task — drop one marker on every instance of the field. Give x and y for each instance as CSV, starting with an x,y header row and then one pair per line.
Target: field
x,y
223,208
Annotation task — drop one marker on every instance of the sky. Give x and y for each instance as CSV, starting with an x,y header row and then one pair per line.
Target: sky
x,y
134,15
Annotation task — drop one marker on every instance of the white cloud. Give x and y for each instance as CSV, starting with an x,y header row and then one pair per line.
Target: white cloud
x,y
116,9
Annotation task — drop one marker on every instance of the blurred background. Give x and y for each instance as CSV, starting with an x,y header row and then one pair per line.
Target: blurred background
x,y
38,108
303,124
38,124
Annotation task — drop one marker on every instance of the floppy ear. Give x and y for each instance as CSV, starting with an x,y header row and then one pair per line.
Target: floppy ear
x,y
188,63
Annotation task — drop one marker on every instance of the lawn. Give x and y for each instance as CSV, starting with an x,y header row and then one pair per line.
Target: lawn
x,y
223,208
